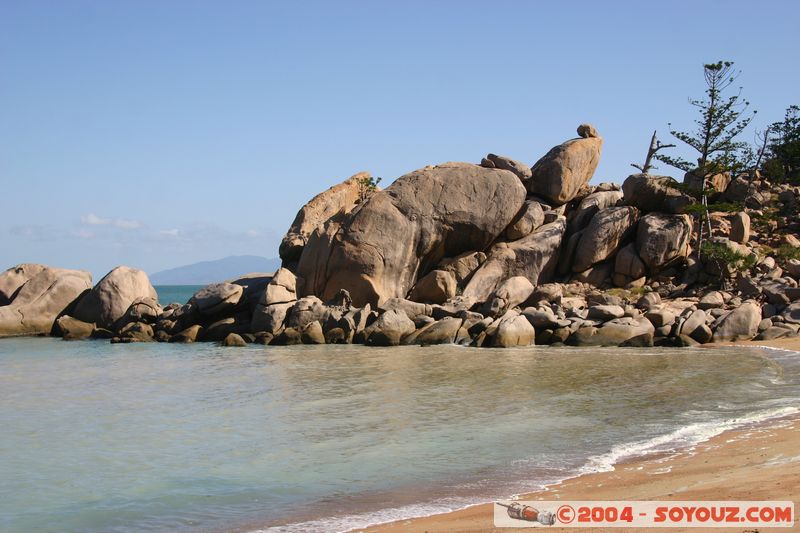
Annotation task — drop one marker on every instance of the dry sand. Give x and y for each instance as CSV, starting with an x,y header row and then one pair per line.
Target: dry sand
x,y
760,462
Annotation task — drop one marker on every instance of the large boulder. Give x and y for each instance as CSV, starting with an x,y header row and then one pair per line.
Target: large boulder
x,y
135,332
389,329
436,287
233,340
529,218
511,293
217,298
740,324
270,318
14,278
792,313
306,310
599,275
564,170
742,191
608,230
440,332
712,300
402,232
407,307
628,263
590,206
339,198
108,301
40,300
740,228
312,266
719,181
312,333
626,330
548,292
655,193
513,329
605,312
71,329
187,335
253,286
144,309
695,326
543,318
663,239
534,257
279,295
463,265
282,288
793,267
217,331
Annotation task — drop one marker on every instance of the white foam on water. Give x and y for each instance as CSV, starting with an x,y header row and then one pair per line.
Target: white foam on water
x,y
763,347
682,438
358,521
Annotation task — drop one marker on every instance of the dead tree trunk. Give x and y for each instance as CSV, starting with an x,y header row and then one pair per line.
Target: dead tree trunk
x,y
655,146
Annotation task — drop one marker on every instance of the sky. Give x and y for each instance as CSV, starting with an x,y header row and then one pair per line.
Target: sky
x,y
161,133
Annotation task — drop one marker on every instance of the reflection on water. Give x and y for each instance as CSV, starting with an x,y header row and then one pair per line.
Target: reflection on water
x,y
100,437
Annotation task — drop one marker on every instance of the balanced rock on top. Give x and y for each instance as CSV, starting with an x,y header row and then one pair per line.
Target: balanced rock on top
x,y
567,168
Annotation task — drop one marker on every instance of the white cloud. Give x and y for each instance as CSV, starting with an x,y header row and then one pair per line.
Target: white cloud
x,y
82,234
127,224
174,232
93,220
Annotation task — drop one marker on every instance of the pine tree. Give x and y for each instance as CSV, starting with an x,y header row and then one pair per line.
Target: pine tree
x,y
783,150
722,119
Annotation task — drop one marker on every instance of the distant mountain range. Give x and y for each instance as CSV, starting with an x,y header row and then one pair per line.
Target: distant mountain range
x,y
206,272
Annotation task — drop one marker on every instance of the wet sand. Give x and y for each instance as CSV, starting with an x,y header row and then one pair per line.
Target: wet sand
x,y
759,462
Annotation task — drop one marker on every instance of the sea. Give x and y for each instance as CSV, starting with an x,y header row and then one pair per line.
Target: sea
x,y
168,294
152,437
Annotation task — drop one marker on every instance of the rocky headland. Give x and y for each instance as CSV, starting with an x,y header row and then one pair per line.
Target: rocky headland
x,y
496,254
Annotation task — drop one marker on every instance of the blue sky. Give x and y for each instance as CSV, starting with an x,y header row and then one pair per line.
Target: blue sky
x,y
160,133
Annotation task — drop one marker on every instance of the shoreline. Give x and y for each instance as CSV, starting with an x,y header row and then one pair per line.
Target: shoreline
x,y
709,470
755,462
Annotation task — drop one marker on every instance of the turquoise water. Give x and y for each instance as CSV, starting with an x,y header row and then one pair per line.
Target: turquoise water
x,y
162,437
168,294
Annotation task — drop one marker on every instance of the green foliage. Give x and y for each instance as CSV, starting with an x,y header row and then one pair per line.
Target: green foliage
x,y
366,186
634,293
685,189
721,121
725,256
724,207
786,251
696,209
783,148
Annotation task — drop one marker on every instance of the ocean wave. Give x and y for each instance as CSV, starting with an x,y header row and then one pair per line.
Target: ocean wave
x,y
362,520
682,438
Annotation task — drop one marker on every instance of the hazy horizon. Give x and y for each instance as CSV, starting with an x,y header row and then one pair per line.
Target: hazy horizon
x,y
158,135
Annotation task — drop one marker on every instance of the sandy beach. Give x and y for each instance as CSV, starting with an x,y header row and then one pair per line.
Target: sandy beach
x,y
760,462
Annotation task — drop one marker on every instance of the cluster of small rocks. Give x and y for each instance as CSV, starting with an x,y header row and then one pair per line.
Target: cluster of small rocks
x,y
266,310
